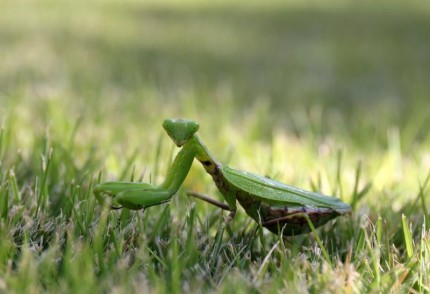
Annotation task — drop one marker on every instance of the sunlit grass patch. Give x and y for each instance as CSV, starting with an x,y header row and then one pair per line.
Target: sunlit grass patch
x,y
327,98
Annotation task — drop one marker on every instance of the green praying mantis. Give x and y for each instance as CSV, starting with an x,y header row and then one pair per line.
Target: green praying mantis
x,y
278,207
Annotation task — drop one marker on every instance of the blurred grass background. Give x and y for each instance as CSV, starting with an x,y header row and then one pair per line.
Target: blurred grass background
x,y
298,90
358,62
356,73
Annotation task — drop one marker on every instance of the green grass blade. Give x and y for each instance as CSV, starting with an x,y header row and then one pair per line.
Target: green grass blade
x,y
12,182
42,191
317,238
423,200
129,164
407,237
265,263
2,140
4,200
379,229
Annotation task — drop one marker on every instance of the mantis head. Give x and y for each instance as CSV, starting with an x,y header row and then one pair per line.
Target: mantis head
x,y
180,130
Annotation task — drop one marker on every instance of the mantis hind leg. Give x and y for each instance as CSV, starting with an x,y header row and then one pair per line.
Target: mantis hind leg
x,y
209,200
215,203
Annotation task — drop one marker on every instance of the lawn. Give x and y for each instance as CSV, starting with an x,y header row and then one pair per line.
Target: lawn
x,y
330,97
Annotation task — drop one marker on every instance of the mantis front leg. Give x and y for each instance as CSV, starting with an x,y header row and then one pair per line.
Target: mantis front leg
x,y
141,195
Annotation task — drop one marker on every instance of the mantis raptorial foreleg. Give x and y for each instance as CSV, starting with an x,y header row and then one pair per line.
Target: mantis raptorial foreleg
x,y
114,189
142,195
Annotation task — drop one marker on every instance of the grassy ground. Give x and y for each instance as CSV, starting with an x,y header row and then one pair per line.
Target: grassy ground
x,y
329,97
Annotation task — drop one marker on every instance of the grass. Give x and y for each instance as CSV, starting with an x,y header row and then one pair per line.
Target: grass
x,y
328,97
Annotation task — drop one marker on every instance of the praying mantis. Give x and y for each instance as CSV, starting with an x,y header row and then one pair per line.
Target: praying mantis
x,y
278,207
